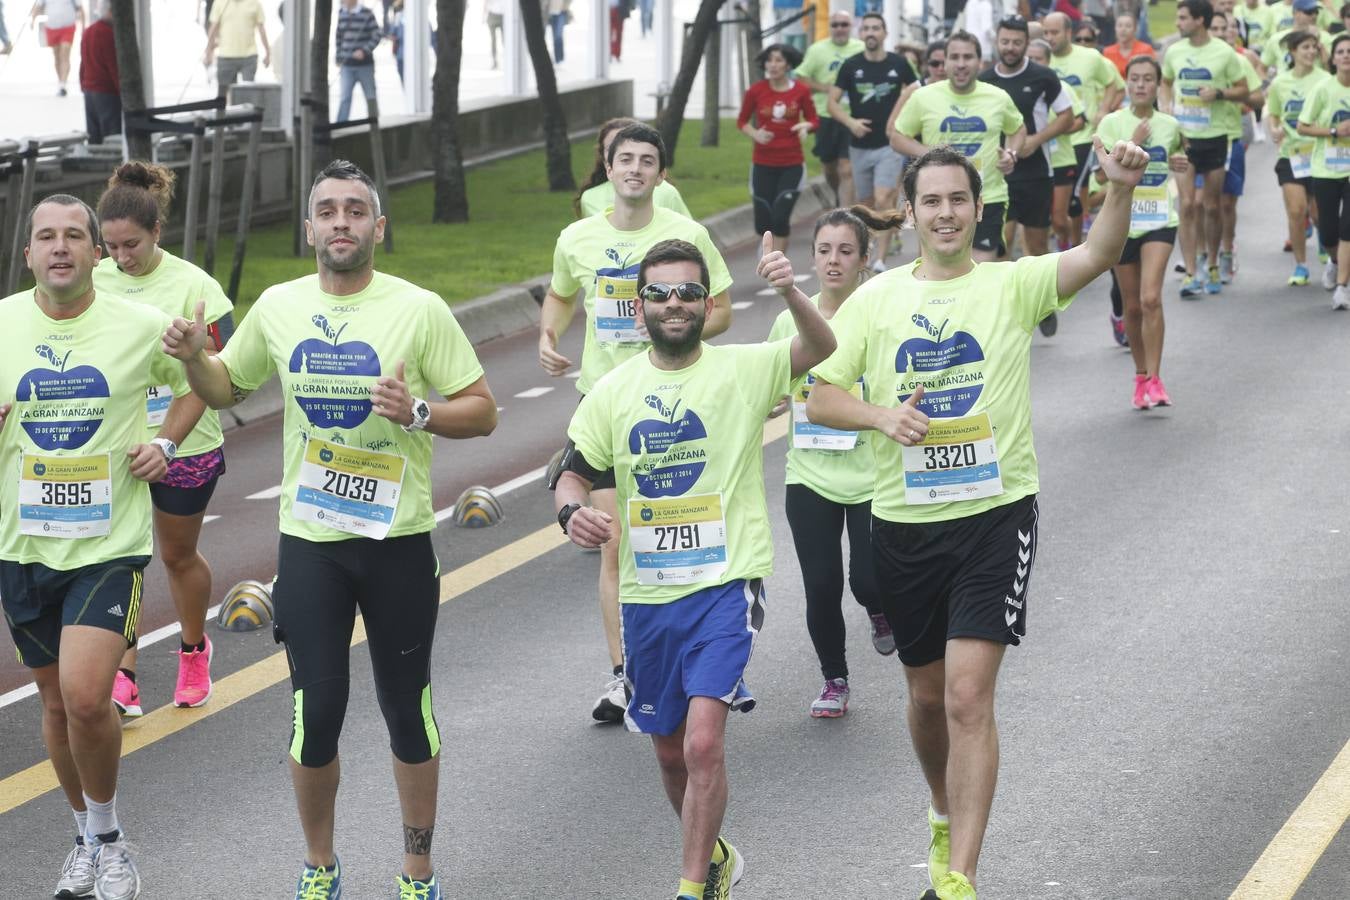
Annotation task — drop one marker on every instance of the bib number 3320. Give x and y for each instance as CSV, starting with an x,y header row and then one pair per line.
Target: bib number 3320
x,y
956,461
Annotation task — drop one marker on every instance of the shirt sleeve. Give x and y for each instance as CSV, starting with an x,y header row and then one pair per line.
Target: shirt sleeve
x,y
1109,73
1012,116
1035,289
1055,94
449,363
564,283
247,357
810,63
910,120
1311,107
851,328
747,105
218,306
719,276
1169,71
590,429
768,367
844,79
676,203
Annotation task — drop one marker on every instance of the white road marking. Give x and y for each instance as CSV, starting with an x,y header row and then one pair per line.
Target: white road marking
x,y
269,494
576,374
762,292
500,490
744,304
209,519
534,392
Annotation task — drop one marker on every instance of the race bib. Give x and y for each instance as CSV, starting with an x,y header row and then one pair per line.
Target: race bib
x,y
1192,116
65,496
1150,209
956,461
677,540
1300,165
1338,157
157,400
806,435
348,489
616,310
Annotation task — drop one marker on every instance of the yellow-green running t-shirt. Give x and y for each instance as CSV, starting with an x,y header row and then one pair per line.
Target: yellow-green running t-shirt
x,y
843,476
972,123
78,388
1284,101
968,342
1090,74
1155,188
821,64
687,452
329,351
1061,148
174,287
601,197
1190,68
1328,104
593,254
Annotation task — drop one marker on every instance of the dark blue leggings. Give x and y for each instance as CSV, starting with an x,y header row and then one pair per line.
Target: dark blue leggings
x,y
774,190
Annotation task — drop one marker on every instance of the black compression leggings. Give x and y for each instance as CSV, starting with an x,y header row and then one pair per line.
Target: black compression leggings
x,y
1333,211
774,190
817,527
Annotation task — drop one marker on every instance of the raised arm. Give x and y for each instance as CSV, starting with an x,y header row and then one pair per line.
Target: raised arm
x,y
814,340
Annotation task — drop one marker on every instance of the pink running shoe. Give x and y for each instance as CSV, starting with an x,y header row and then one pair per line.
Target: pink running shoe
x,y
1157,393
1142,400
833,700
194,677
126,696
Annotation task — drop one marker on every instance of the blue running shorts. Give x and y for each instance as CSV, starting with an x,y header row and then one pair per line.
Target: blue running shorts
x,y
697,646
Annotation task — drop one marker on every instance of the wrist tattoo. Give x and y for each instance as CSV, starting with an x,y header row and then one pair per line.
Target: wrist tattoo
x,y
417,841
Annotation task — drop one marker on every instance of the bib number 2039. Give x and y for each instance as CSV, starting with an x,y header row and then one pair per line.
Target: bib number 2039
x,y
350,487
67,493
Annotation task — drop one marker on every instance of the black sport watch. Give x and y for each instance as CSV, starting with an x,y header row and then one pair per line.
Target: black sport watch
x,y
565,514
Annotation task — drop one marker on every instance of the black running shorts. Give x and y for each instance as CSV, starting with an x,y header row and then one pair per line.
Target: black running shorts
x,y
1207,154
1284,174
1131,253
1029,202
832,141
964,578
39,602
989,230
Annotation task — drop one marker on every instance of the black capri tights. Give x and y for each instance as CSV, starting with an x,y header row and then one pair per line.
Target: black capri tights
x,y
320,586
774,190
1333,210
817,526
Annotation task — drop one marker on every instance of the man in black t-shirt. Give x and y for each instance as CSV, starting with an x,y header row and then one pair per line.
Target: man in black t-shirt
x,y
873,80
1048,114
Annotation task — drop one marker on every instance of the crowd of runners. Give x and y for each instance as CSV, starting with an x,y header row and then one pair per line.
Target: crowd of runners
x,y
905,387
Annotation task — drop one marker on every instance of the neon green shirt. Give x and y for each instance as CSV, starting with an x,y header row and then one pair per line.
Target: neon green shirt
x,y
972,123
593,254
1258,24
601,197
173,288
821,63
1328,104
1280,17
1061,148
329,352
1189,68
686,448
78,388
1284,101
968,341
1090,74
1154,203
843,476
1275,53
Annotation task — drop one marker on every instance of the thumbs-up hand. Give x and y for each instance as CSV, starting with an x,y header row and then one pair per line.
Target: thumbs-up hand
x,y
774,267
183,339
1123,164
906,424
553,362
391,398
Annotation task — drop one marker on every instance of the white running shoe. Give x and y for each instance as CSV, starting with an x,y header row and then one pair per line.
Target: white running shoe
x,y
77,874
1341,298
612,703
115,875
1329,275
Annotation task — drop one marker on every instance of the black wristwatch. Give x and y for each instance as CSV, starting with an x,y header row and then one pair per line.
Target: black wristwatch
x,y
565,514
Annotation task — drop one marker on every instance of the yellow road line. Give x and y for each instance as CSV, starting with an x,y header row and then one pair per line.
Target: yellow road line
x,y
1297,846
36,780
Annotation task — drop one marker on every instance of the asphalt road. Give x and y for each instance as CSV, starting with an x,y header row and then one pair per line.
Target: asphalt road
x,y
1183,686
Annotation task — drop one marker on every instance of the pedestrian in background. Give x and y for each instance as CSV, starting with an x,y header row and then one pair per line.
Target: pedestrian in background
x,y
776,113
62,16
558,14
99,81
358,34
5,46
494,12
231,42
618,11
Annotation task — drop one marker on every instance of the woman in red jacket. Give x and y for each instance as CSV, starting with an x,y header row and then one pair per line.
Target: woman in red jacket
x,y
782,111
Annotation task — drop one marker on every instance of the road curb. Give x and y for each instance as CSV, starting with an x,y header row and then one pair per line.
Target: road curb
x,y
515,308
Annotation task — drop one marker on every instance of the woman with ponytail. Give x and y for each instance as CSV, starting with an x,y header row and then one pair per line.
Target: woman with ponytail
x,y
597,194
830,473
133,210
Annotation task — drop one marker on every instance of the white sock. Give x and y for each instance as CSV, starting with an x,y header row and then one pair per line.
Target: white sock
x,y
937,817
102,818
81,821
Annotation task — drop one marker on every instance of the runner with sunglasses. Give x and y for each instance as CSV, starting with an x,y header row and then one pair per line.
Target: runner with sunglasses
x,y
817,71
681,427
599,256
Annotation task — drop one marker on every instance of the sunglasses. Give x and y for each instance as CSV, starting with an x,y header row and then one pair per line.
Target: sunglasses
x,y
840,24
1085,39
660,292
937,63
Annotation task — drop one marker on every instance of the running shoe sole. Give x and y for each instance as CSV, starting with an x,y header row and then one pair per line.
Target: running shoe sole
x,y
828,713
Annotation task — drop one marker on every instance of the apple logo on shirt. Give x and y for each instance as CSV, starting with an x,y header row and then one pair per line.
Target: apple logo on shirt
x,y
1152,175
66,404
621,271
666,465
959,122
327,388
953,389
1192,71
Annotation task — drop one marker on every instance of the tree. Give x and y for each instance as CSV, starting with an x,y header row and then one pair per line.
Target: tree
x,y
673,115
557,147
451,194
129,71
318,62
